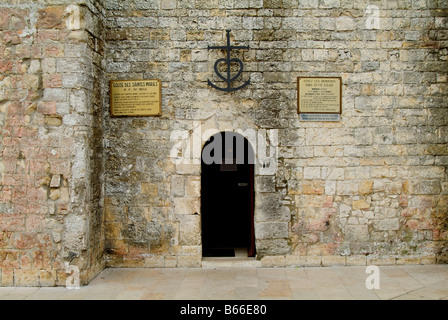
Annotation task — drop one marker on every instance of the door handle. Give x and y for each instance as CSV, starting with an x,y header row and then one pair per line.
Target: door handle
x,y
243,184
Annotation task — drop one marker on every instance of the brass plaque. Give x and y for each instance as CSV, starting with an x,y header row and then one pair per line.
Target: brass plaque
x,y
320,95
135,98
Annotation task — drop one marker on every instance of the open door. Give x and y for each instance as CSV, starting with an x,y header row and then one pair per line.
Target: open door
x,y
227,196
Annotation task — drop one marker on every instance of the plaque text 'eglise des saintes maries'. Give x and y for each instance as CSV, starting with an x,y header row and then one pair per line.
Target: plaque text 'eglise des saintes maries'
x,y
135,98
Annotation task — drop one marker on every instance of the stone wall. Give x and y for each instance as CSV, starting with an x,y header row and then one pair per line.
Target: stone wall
x,y
82,190
51,142
369,189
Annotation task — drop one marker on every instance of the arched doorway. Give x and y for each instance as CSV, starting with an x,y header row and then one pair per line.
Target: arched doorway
x,y
227,196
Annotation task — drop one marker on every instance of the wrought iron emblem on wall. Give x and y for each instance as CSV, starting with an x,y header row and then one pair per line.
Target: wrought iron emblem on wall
x,y
228,60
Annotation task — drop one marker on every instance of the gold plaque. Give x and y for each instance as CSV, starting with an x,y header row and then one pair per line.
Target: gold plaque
x,y
135,98
320,95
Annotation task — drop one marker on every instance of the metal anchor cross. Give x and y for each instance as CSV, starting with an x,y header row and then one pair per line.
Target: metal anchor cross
x,y
228,61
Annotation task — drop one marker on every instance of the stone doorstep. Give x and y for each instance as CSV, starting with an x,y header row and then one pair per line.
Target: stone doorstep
x,y
210,263
239,261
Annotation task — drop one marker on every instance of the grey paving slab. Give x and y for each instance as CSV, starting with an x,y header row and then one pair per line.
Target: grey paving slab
x,y
330,283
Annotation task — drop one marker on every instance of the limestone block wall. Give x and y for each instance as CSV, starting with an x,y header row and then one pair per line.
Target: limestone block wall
x,y
51,142
81,191
371,188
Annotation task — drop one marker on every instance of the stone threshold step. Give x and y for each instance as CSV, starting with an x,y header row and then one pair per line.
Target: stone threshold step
x,y
209,263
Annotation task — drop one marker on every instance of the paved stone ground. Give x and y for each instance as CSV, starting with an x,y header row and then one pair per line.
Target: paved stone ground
x,y
347,283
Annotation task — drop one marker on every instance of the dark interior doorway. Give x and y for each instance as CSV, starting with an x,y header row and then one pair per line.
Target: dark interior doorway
x,y
227,195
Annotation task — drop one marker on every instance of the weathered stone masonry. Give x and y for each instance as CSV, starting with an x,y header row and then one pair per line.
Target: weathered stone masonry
x,y
83,189
51,150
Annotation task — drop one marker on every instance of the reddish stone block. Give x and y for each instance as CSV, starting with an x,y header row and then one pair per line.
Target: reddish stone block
x,y
408,212
23,51
36,51
403,201
51,18
440,235
45,242
8,141
14,81
62,208
16,120
35,223
19,194
39,166
11,152
12,222
64,153
5,195
328,203
317,225
10,165
412,224
15,107
54,51
24,132
11,38
28,149
47,35
25,262
44,153
30,241
41,260
18,19
33,241
21,207
9,260
4,18
52,81
60,167
36,195
36,208
6,66
67,142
